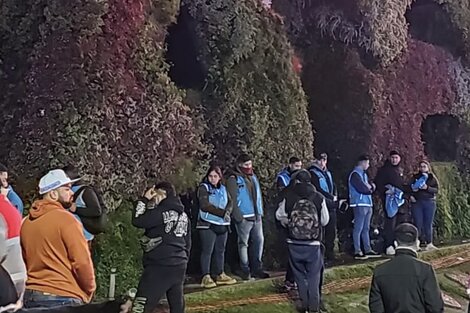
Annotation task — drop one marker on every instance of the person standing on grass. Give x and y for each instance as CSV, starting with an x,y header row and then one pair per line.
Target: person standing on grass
x,y
405,284
304,213
360,199
425,187
215,208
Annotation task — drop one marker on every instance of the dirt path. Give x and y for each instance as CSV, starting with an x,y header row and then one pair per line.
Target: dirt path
x,y
338,286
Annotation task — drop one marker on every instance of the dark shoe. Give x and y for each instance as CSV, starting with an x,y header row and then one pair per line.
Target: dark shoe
x,y
372,254
261,275
288,286
360,256
245,276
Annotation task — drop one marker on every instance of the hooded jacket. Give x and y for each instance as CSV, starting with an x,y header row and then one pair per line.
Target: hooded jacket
x,y
56,253
169,222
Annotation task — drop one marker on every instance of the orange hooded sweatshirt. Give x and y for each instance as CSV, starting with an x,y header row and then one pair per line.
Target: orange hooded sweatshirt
x,y
56,253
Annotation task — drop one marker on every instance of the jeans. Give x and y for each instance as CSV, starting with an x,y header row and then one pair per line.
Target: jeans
x,y
157,281
362,217
250,230
212,243
307,264
38,299
423,215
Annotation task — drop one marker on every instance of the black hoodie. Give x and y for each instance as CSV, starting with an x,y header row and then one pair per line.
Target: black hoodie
x,y
389,174
168,221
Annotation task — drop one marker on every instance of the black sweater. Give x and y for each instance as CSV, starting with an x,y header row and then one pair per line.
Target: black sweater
x,y
168,221
389,175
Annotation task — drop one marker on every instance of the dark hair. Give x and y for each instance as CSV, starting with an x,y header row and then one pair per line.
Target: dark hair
x,y
214,168
242,158
394,152
71,171
168,187
293,160
406,234
322,156
363,157
3,168
302,176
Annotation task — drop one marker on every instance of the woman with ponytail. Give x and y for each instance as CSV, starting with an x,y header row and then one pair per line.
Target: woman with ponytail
x,y
425,187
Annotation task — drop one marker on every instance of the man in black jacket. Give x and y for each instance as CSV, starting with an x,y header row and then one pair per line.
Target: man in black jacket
x,y
166,244
405,284
391,173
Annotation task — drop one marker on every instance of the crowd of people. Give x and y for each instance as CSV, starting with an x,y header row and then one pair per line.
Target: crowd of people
x,y
47,254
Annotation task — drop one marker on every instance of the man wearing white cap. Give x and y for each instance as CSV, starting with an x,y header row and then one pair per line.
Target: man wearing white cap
x,y
59,265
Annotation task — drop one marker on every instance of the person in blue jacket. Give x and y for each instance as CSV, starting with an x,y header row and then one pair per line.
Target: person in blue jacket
x,y
12,196
360,199
215,208
284,176
245,190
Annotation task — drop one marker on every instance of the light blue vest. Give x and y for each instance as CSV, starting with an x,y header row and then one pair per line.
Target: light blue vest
x,y
323,179
245,203
284,176
81,204
356,198
218,197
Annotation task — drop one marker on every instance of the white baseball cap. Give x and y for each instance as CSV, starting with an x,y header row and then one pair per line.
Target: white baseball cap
x,y
53,180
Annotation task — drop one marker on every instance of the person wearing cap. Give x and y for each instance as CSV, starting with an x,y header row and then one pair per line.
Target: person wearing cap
x,y
323,182
360,199
11,195
284,176
390,177
58,262
243,185
405,284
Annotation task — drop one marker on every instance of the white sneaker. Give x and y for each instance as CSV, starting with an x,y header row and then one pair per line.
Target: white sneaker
x,y
390,251
430,247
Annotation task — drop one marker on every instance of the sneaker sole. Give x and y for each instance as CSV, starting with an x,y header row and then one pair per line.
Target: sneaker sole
x,y
360,258
209,287
374,256
219,283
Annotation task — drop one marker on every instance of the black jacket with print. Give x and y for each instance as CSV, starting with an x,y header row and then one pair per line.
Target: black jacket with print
x,y
168,221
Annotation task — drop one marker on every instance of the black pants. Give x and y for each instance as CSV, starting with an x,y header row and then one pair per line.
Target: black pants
x,y
330,235
389,228
155,282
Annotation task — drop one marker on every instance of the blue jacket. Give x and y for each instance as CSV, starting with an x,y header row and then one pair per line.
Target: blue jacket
x,y
359,197
323,178
284,177
15,200
420,182
218,197
245,202
393,201
80,204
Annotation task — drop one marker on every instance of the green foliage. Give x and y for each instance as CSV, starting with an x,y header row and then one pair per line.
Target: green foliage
x,y
118,248
252,98
453,203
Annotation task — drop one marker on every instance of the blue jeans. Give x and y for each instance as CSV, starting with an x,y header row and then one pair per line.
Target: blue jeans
x,y
362,217
250,231
423,215
212,244
307,265
38,299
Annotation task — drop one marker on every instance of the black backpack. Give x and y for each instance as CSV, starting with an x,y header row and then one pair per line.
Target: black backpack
x,y
304,221
94,225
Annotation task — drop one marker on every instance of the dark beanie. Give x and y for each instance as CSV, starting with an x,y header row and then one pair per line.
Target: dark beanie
x,y
394,152
242,158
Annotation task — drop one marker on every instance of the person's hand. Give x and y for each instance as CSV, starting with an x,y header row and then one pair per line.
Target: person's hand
x,y
373,186
424,187
412,199
126,307
73,207
150,194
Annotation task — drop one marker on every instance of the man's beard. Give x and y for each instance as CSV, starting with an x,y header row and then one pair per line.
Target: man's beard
x,y
65,204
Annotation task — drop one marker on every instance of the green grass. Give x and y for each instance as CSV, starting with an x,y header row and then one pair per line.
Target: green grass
x,y
261,308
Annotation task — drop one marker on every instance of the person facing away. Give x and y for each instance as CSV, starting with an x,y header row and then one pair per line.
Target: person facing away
x,y
405,284
304,212
166,245
244,187
323,182
424,186
11,257
283,177
88,206
12,196
390,175
215,208
58,261
360,199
